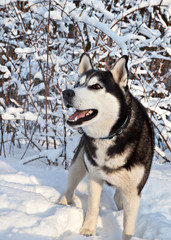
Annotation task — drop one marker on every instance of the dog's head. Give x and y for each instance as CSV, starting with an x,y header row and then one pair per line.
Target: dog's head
x,y
97,96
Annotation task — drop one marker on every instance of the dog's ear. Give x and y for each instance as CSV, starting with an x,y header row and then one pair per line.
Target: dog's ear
x,y
120,71
85,64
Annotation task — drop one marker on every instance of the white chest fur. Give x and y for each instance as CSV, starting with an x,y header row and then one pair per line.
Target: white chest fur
x,y
111,161
119,177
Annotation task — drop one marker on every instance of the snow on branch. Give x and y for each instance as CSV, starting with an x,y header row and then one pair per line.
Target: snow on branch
x,y
138,6
40,46
105,29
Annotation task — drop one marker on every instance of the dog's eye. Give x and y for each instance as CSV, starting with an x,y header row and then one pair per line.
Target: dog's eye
x,y
96,86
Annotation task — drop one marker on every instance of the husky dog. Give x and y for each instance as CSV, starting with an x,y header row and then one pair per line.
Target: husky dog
x,y
117,142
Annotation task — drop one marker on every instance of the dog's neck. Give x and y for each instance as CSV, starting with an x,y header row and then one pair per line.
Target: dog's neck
x,y
118,131
97,130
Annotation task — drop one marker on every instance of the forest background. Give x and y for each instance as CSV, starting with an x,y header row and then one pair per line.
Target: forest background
x,y
40,46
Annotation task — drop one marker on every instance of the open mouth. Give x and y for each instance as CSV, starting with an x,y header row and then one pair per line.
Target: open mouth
x,y
81,116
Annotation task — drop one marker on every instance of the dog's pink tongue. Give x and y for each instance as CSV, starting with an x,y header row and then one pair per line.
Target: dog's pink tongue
x,y
78,114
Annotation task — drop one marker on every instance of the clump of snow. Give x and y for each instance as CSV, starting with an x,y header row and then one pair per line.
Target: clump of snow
x,y
13,113
56,15
25,50
5,71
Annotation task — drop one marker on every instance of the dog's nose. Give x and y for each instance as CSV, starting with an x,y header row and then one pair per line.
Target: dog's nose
x,y
68,93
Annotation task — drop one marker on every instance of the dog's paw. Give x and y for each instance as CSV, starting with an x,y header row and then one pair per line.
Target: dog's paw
x,y
87,232
63,201
126,237
75,201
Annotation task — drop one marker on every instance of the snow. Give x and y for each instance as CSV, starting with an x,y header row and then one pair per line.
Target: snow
x,y
54,15
38,75
142,4
104,28
13,113
29,192
5,70
25,50
29,210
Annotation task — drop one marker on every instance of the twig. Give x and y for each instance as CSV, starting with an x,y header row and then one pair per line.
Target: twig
x,y
47,78
34,159
164,139
18,14
134,9
2,137
162,155
30,140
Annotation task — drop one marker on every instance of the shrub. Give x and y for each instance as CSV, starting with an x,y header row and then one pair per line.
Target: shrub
x,y
40,46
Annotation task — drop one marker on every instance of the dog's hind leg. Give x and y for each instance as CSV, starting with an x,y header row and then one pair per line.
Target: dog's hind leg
x,y
118,199
131,201
76,173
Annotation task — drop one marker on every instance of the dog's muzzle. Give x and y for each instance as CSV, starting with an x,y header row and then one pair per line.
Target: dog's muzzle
x,y
68,93
80,116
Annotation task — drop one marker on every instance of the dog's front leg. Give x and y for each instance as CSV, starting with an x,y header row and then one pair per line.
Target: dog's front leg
x,y
76,173
94,193
131,201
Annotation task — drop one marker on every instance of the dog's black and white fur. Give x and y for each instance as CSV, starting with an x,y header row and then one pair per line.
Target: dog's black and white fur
x,y
117,143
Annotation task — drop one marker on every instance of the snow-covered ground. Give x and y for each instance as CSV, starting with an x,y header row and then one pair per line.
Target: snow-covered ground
x,y
29,210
